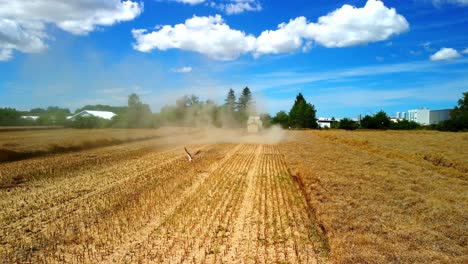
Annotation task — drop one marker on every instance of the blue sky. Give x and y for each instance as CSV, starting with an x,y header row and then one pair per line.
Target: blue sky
x,y
346,57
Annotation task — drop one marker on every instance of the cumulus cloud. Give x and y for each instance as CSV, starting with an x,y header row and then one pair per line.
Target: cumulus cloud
x,y
349,26
237,6
465,51
445,54
207,35
23,23
211,36
185,69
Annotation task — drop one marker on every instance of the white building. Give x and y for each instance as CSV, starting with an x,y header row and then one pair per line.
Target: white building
x,y
324,122
91,113
30,117
425,116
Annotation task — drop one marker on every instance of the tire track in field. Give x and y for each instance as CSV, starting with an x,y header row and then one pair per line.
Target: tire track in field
x,y
241,236
120,252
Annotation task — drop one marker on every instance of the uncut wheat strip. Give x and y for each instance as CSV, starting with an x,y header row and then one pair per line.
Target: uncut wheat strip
x,y
98,190
218,206
141,236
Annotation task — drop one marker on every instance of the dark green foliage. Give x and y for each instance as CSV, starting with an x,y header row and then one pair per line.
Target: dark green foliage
x,y
281,118
12,117
52,116
458,117
302,114
245,103
378,121
244,108
230,102
347,124
404,125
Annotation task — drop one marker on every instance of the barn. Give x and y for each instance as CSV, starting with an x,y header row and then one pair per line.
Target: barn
x,y
92,113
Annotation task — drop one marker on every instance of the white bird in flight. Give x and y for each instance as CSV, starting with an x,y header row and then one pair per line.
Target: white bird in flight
x,y
190,157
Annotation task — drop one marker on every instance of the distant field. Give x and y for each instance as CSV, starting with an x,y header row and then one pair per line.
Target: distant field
x,y
279,197
16,145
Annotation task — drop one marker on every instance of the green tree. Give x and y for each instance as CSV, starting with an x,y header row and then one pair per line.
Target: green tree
x,y
378,121
458,116
302,114
281,118
244,107
230,102
9,117
348,124
404,125
245,103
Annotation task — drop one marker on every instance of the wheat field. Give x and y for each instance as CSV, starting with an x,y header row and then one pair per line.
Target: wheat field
x,y
293,197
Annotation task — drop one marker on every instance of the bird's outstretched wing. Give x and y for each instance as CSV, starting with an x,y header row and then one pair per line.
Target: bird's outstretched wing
x,y
188,154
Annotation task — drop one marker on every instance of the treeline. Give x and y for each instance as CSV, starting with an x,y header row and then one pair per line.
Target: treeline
x,y
378,121
303,115
188,110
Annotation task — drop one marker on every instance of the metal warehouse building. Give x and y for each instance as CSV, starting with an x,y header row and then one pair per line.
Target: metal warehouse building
x,y
425,116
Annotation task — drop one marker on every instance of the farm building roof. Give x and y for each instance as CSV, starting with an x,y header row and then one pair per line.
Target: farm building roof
x,y
101,114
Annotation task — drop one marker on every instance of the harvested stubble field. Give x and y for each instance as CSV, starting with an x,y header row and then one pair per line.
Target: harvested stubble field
x,y
282,197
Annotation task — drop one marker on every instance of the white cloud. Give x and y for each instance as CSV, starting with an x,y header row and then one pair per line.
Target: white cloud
x,y
238,6
465,51
185,69
23,23
445,54
349,26
207,35
211,36
456,2
190,2
5,54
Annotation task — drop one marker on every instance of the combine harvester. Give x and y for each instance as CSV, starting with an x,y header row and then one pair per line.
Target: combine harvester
x,y
254,124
